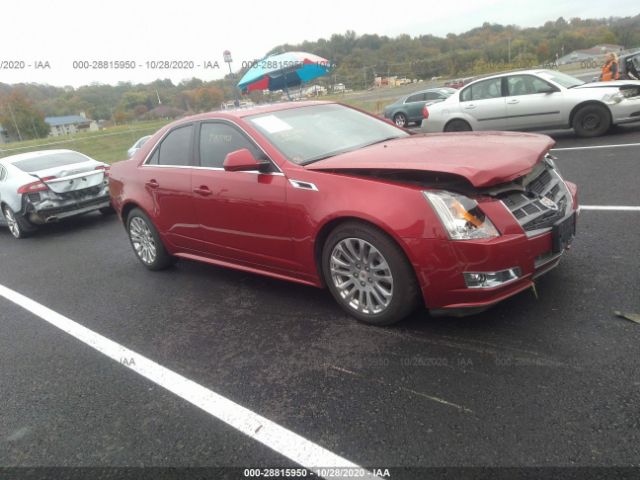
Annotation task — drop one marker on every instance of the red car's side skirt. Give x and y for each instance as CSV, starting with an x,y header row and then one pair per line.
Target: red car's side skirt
x,y
244,268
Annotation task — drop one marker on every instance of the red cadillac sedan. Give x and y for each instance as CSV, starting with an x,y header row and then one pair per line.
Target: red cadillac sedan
x,y
326,195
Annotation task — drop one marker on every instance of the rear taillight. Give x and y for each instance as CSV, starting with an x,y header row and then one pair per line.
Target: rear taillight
x,y
38,186
425,112
105,169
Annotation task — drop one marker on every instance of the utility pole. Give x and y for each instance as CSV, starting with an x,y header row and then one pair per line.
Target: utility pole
x,y
509,47
15,124
227,58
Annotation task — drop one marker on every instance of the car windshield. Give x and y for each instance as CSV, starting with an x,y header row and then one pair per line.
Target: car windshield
x,y
52,160
142,141
309,134
567,81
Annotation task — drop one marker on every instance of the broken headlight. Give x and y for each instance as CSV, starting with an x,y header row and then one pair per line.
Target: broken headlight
x,y
461,216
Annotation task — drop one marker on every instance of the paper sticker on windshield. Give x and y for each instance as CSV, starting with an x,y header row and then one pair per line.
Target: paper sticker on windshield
x,y
272,124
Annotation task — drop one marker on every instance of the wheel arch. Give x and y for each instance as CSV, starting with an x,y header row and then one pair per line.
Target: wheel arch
x,y
586,103
457,119
126,209
331,224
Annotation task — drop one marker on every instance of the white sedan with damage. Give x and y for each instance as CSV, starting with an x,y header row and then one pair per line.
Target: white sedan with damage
x,y
46,186
536,100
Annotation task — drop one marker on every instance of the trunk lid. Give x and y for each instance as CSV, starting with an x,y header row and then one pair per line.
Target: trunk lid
x,y
483,158
69,178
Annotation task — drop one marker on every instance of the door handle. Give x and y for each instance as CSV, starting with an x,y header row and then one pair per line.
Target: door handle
x,y
513,101
470,106
152,183
202,190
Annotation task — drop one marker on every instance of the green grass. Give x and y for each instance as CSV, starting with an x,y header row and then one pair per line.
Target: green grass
x,y
372,106
108,145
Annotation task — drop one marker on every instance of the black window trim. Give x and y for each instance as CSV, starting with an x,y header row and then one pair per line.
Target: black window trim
x,y
157,146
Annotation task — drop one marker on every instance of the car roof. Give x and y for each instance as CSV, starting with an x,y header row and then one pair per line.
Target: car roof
x,y
254,110
509,73
433,89
38,153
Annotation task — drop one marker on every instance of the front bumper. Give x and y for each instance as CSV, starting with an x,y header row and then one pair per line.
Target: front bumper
x,y
441,264
441,275
627,111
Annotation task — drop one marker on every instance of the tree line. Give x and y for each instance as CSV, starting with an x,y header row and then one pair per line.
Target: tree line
x,y
357,59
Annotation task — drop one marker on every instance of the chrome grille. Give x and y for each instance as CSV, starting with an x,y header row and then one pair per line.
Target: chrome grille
x,y
529,206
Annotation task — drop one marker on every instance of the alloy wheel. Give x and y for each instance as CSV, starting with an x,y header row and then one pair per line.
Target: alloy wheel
x,y
361,275
142,240
12,223
400,120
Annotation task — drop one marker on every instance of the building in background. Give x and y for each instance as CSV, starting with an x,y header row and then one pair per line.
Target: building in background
x,y
589,54
70,124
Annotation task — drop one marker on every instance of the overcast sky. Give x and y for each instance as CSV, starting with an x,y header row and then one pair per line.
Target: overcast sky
x,y
199,31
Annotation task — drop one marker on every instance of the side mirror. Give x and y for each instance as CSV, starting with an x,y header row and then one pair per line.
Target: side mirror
x,y
548,89
243,161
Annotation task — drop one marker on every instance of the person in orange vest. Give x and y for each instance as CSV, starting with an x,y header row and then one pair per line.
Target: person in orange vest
x,y
610,70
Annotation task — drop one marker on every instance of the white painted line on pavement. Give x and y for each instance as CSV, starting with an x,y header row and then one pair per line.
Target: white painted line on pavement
x,y
594,147
285,442
621,208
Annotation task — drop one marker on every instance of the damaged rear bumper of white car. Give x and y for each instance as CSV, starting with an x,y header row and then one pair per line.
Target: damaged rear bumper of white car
x,y
49,206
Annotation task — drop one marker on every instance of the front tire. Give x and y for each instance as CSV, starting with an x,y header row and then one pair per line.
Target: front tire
x,y
146,242
19,226
368,274
591,121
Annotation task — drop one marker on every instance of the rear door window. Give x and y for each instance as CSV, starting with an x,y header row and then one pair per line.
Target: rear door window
x,y
175,149
418,97
486,89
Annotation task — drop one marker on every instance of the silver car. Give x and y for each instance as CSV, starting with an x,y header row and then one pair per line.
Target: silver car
x,y
45,186
137,146
537,100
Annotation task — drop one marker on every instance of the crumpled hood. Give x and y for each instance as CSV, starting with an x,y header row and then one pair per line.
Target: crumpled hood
x,y
483,158
610,84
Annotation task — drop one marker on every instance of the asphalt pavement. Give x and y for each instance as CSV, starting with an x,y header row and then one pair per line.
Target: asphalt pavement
x,y
551,381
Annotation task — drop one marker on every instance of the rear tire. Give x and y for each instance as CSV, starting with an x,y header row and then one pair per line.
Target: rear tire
x,y
368,274
146,242
19,226
400,119
591,121
457,126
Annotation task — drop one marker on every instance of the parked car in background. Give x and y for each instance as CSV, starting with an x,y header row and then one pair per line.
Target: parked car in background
x,y
455,83
46,186
408,109
326,195
537,100
629,66
459,82
136,146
